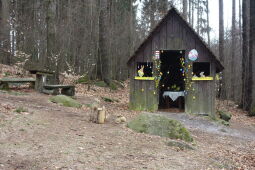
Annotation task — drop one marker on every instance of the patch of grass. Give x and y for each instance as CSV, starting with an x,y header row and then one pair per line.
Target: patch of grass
x,y
21,110
180,145
100,84
113,85
13,92
160,126
65,101
6,74
83,80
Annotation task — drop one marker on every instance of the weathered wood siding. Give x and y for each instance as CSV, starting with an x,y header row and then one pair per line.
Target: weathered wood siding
x,y
172,34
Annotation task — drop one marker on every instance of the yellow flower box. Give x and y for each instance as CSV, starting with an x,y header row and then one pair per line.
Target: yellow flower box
x,y
202,78
144,78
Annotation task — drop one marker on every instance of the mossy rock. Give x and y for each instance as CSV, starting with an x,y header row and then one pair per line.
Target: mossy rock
x,y
100,84
83,79
225,116
65,101
252,111
160,126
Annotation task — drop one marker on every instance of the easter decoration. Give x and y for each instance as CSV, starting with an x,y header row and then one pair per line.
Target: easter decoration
x,y
141,72
193,55
157,64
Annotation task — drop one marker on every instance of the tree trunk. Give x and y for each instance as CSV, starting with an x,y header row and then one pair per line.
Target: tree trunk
x,y
208,24
5,31
251,71
221,47
152,14
233,50
51,58
103,32
185,8
245,58
190,13
198,16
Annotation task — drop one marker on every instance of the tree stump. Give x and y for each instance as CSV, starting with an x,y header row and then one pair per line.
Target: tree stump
x,y
101,115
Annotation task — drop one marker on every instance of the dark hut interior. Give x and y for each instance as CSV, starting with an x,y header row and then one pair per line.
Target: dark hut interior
x,y
172,79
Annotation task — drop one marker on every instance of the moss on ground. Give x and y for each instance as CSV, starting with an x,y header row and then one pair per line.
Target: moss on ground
x,y
13,93
224,115
4,87
252,111
21,109
100,84
65,101
161,126
180,145
83,79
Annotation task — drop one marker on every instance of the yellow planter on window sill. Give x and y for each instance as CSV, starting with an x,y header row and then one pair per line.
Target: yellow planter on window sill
x,y
202,78
144,78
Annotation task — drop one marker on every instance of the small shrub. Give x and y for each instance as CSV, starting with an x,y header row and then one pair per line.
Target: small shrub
x,y
21,109
224,115
6,74
113,86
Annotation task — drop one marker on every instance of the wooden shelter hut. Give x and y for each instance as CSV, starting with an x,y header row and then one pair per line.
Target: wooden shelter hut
x,y
174,70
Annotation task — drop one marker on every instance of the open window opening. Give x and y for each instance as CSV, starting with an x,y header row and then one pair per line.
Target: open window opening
x,y
201,69
172,85
144,69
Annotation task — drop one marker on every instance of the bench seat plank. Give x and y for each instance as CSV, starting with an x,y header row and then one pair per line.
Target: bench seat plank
x,y
68,90
17,80
58,86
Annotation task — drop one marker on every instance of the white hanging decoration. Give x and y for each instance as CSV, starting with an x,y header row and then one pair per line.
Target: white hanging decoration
x,y
193,55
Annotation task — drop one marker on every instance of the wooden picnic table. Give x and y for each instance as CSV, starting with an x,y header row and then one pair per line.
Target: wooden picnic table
x,y
41,78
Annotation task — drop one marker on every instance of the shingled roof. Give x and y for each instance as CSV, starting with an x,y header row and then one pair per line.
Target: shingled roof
x,y
173,9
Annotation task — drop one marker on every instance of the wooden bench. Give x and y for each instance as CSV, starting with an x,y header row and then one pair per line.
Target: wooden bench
x,y
4,82
68,90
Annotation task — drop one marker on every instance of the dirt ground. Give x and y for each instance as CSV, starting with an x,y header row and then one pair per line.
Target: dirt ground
x,y
49,136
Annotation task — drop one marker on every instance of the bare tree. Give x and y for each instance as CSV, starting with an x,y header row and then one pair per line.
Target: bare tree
x,y
233,48
251,67
103,50
245,53
221,46
185,9
208,29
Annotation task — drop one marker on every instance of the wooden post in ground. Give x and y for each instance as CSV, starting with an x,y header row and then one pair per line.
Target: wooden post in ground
x,y
101,115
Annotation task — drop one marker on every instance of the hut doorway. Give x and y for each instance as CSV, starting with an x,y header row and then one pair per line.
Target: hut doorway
x,y
172,85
